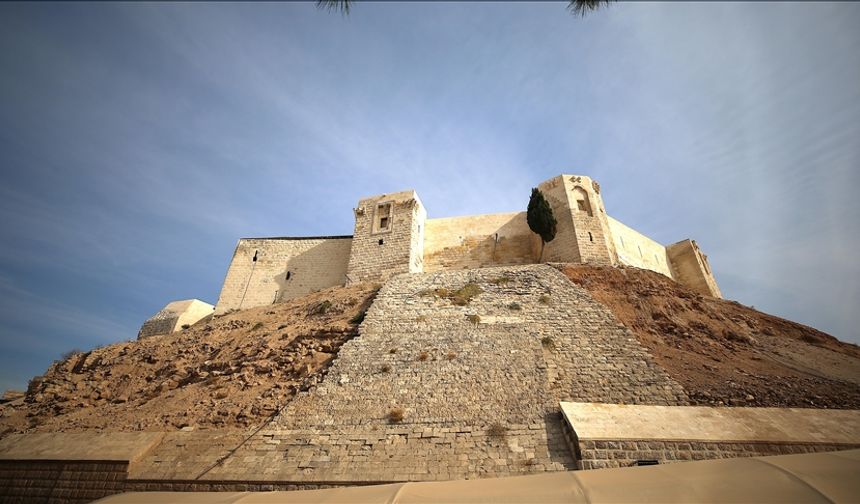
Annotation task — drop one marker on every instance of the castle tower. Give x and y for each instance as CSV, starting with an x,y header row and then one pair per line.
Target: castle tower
x,y
583,233
388,237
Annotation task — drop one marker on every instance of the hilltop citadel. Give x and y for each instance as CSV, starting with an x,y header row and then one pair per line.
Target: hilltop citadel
x,y
393,235
433,349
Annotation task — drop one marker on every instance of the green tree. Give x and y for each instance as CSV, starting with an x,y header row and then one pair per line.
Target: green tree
x,y
540,219
577,7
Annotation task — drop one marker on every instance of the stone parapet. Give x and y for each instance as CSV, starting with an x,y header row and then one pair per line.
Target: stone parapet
x,y
617,435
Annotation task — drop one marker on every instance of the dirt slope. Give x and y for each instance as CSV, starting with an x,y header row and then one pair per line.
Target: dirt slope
x,y
231,371
723,352
235,371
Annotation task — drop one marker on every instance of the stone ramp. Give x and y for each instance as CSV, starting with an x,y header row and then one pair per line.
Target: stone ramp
x,y
479,384
529,340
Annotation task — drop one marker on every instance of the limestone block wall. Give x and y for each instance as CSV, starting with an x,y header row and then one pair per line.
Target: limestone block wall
x,y
65,482
478,384
616,435
477,241
583,233
606,454
690,267
593,235
174,316
388,237
565,247
284,268
635,249
68,468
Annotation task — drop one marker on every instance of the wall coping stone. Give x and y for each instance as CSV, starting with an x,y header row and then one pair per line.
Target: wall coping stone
x,y
596,421
89,446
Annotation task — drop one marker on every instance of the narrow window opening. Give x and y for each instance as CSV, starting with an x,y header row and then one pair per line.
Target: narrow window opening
x,y
582,201
381,241
289,274
383,217
590,238
255,256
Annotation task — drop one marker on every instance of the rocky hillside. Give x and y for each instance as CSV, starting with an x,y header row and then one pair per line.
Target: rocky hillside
x,y
722,352
231,371
239,370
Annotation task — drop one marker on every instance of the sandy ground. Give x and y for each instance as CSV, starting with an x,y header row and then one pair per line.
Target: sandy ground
x,y
722,352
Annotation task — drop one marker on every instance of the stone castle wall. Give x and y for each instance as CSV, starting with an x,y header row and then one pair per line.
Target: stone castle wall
x,y
691,268
635,249
392,235
284,268
477,241
388,237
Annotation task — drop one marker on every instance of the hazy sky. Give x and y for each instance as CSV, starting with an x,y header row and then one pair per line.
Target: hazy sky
x,y
138,142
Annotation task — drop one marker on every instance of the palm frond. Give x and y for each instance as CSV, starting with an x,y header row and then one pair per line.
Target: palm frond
x,y
582,7
336,5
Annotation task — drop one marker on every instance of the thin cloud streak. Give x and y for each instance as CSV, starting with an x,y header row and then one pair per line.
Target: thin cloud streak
x,y
140,141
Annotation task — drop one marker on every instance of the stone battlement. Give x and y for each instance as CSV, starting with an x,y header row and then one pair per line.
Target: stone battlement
x,y
393,235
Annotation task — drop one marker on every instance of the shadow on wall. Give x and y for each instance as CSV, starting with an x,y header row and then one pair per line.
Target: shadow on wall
x,y
560,443
479,241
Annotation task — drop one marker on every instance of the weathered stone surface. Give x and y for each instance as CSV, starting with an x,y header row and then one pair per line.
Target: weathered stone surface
x,y
613,435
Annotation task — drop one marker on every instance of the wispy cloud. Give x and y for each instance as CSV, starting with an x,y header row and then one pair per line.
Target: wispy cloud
x,y
139,141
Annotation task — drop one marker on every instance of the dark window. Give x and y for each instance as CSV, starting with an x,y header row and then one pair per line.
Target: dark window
x,y
381,241
383,217
289,275
590,238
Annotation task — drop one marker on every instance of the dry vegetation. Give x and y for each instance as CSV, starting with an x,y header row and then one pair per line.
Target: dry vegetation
x,y
460,297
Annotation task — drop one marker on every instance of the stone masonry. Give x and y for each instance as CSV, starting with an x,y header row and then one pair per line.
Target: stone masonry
x,y
393,235
479,386
614,435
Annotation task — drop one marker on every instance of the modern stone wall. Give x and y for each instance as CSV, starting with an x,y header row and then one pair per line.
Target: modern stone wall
x,y
605,454
68,468
66,482
617,435
284,268
477,241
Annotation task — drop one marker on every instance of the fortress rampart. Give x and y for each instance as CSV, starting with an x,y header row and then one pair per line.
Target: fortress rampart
x,y
393,235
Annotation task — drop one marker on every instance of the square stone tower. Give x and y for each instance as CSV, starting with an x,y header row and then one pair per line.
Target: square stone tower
x,y
583,233
388,237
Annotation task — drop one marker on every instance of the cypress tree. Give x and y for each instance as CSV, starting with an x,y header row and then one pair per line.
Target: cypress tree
x,y
540,219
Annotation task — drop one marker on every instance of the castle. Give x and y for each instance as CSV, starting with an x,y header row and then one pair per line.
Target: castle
x,y
393,235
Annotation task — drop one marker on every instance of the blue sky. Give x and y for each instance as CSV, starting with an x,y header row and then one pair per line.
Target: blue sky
x,y
138,142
